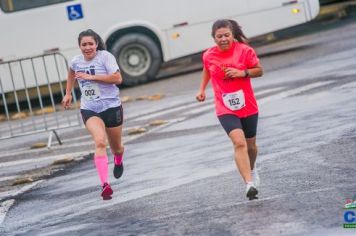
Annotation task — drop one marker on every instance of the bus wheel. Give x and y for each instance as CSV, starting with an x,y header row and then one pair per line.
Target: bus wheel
x,y
138,56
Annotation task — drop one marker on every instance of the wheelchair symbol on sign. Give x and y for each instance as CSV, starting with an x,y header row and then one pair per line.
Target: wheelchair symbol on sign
x,y
74,12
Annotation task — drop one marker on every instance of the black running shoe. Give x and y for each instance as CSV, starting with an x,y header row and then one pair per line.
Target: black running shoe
x,y
118,170
251,192
119,166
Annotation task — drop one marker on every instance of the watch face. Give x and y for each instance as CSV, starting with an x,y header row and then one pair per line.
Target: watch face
x,y
246,73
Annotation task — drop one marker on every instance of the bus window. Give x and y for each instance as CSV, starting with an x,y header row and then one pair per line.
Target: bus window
x,y
18,5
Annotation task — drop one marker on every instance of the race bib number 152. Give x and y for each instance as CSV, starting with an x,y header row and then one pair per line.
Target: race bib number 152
x,y
234,101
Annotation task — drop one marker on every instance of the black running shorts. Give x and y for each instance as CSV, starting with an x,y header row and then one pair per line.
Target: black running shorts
x,y
112,117
248,124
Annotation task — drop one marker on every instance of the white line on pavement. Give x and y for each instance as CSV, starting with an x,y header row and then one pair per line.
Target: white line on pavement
x,y
4,208
293,92
41,159
172,109
267,91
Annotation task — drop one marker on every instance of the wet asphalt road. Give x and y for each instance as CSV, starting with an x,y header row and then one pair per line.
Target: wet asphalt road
x,y
180,178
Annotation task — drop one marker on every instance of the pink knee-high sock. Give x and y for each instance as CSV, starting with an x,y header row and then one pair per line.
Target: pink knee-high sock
x,y
101,164
118,158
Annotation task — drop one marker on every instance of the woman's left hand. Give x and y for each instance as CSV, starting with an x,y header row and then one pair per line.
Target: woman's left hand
x,y
231,72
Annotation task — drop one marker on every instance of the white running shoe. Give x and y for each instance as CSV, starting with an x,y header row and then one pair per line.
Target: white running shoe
x,y
255,177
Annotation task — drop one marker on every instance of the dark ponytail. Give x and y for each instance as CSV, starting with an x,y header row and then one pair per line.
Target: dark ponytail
x,y
237,31
233,26
91,33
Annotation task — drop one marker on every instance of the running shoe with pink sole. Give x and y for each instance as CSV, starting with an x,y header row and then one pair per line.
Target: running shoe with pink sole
x,y
106,192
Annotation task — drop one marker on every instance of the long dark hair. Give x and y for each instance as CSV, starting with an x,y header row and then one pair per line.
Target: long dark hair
x,y
233,26
89,32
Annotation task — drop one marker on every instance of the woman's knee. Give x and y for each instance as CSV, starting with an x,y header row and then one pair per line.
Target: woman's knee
x,y
238,139
100,142
252,147
239,144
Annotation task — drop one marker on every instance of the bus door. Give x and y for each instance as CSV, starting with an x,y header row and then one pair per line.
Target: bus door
x,y
190,33
272,15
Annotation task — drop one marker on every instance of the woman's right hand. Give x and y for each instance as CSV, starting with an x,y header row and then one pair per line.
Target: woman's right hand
x,y
67,101
200,96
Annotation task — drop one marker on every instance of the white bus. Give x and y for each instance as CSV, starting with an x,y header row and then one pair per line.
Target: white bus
x,y
140,33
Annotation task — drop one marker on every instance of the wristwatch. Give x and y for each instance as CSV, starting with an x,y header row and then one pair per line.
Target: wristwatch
x,y
247,74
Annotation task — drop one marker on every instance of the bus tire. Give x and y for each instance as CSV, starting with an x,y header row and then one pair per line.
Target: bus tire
x,y
138,56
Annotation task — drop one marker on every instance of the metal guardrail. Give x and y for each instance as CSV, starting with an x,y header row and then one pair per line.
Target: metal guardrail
x,y
30,92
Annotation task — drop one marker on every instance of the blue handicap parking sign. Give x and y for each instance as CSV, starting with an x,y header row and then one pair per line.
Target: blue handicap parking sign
x,y
75,12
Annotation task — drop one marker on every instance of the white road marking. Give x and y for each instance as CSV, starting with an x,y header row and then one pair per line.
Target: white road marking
x,y
172,109
4,208
41,159
8,178
6,205
266,91
293,92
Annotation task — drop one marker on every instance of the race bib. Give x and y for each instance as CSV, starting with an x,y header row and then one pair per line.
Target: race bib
x,y
91,91
234,101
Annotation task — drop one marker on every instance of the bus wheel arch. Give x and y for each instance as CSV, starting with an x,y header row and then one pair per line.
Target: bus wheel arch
x,y
138,54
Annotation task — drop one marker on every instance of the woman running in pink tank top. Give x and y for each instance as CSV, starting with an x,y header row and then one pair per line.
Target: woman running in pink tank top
x,y
230,65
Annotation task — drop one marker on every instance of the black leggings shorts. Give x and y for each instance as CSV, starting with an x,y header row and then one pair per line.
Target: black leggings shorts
x,y
248,124
112,117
